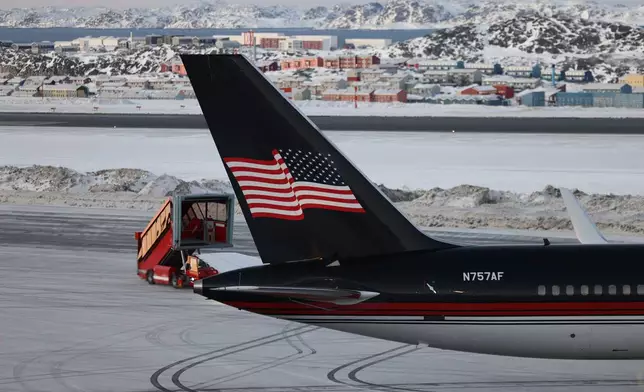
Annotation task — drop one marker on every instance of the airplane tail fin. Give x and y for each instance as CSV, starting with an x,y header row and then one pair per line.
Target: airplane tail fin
x,y
302,199
585,229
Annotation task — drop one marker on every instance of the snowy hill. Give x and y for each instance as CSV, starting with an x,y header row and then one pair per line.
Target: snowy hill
x,y
146,60
608,48
390,14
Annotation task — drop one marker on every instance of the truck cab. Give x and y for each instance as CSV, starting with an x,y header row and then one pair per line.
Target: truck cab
x,y
197,269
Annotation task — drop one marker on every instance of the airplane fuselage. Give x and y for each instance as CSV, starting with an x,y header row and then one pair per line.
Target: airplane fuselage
x,y
577,302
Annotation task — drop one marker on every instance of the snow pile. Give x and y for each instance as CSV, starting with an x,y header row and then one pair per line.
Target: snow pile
x,y
311,108
132,181
464,206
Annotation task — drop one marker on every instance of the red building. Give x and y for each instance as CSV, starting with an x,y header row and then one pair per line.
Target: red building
x,y
331,62
479,90
266,66
390,96
312,44
506,92
301,63
366,61
270,42
179,68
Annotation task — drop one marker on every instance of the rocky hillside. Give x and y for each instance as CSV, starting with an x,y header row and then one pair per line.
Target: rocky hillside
x,y
144,60
609,48
390,14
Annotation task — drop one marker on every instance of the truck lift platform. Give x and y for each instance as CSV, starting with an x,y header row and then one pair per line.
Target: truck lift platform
x,y
185,224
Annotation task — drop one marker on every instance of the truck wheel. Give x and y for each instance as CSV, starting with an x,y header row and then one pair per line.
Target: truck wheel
x,y
150,277
175,281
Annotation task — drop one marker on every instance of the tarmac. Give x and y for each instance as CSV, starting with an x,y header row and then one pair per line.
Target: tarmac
x,y
75,317
344,123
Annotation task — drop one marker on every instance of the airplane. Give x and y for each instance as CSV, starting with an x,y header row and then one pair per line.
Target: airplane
x,y
337,253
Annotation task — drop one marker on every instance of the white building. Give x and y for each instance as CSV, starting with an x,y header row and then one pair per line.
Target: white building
x,y
464,77
332,39
426,90
434,65
518,84
377,43
486,69
524,72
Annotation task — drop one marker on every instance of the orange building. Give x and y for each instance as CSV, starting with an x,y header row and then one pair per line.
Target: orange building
x,y
301,63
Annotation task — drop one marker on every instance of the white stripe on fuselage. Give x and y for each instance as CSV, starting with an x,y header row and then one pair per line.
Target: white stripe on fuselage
x,y
562,337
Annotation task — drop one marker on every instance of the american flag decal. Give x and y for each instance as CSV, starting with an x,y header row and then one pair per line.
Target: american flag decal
x,y
291,182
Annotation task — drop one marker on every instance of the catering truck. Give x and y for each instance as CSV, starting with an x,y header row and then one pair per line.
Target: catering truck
x,y
169,247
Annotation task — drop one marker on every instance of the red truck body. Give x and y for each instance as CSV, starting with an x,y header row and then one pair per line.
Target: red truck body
x,y
182,227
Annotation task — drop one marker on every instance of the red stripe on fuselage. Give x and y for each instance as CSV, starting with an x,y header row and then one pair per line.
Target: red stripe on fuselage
x,y
452,309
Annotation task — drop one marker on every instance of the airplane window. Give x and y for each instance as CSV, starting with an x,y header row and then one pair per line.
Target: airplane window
x,y
555,290
541,290
584,290
570,290
612,289
598,289
626,289
640,289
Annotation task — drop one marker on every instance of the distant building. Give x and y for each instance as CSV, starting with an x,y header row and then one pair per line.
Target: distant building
x,y
608,88
634,101
433,76
298,94
227,44
533,98
179,41
376,43
522,72
574,99
426,90
575,76
348,95
634,80
478,90
486,69
64,91
153,39
434,65
506,92
301,63
267,65
390,96
464,77
21,46
518,84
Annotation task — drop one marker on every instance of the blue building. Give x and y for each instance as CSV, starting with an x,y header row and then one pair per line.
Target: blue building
x,y
574,99
604,99
635,101
534,98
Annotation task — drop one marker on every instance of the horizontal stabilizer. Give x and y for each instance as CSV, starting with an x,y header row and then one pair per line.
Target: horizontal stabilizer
x,y
585,229
335,296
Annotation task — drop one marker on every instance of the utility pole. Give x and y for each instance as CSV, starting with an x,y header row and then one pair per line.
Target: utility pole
x,y
355,97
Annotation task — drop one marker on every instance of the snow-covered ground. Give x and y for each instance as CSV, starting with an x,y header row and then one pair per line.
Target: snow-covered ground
x,y
311,108
511,180
521,162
